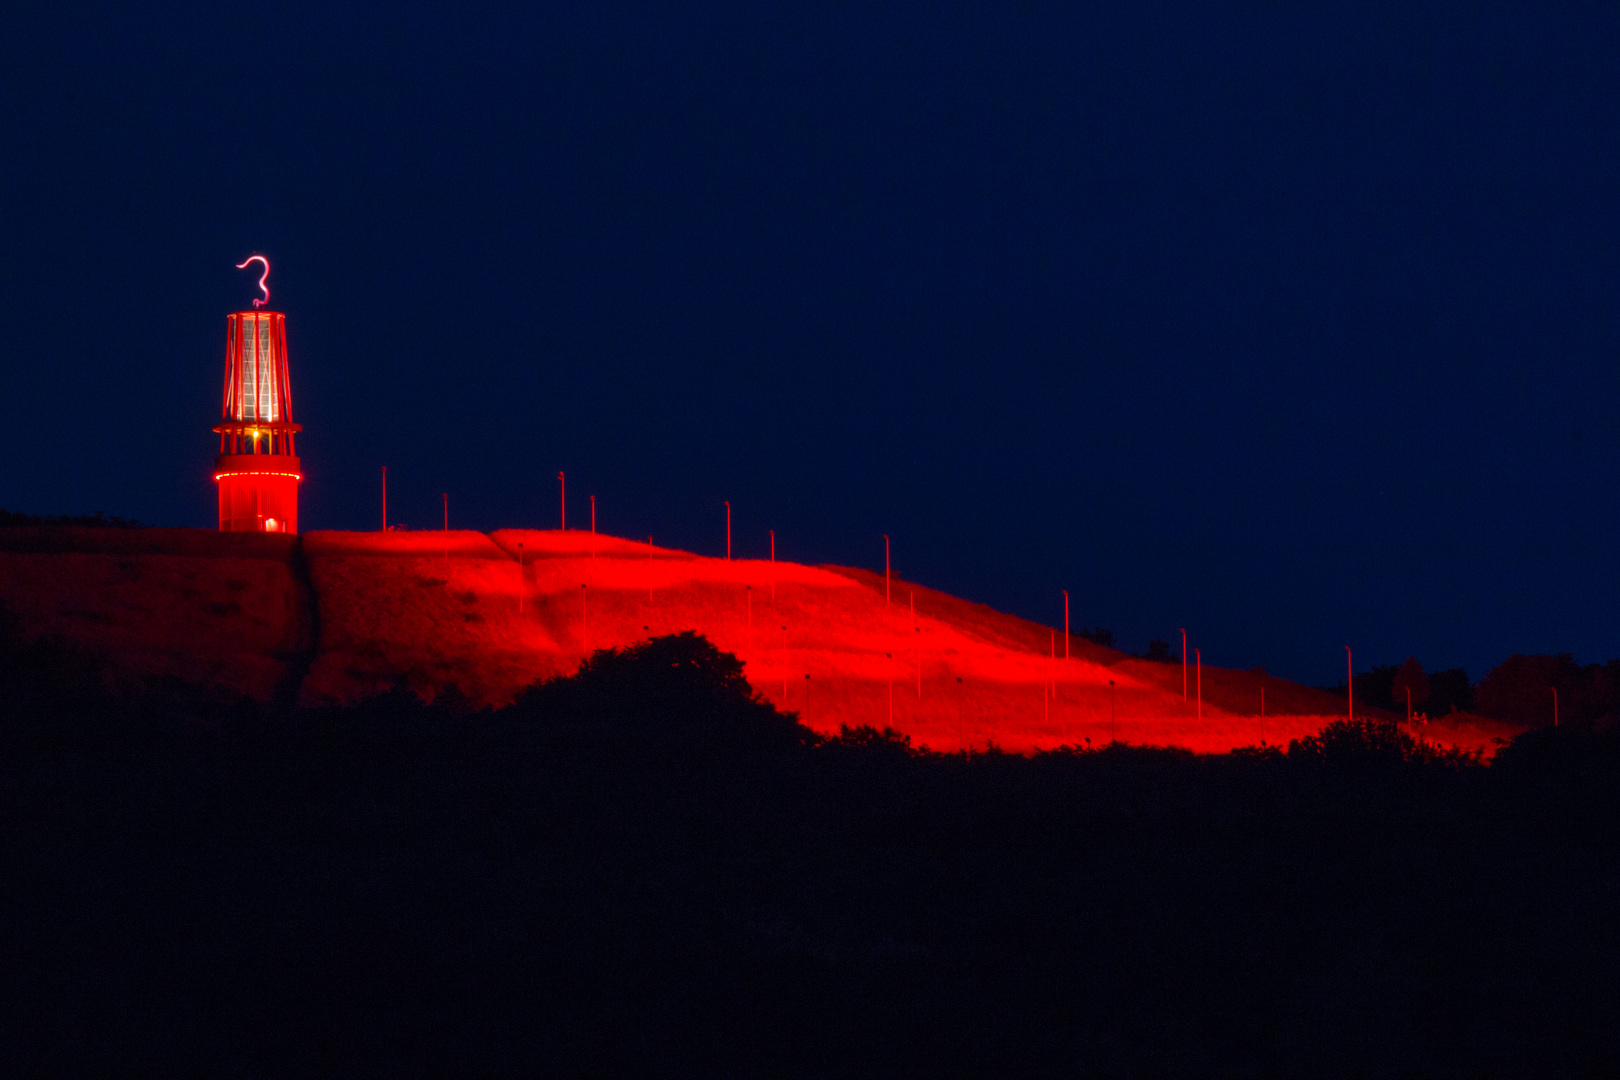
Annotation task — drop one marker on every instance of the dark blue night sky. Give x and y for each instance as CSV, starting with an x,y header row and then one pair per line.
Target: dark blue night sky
x,y
1295,326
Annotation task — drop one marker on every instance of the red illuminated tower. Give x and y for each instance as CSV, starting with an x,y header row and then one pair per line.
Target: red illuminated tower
x,y
257,468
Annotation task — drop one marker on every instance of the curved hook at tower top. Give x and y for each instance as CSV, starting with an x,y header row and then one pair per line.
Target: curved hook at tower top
x,y
263,278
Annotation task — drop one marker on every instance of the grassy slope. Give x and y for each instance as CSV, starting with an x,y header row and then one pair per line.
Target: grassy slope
x,y
431,610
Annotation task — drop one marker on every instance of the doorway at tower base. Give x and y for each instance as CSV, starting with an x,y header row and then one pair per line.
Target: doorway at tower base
x,y
257,492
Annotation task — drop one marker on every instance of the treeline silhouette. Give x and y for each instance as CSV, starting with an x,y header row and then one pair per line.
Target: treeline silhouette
x,y
644,870
1523,689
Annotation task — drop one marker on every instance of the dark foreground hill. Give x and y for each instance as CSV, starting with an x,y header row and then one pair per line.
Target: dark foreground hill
x,y
643,870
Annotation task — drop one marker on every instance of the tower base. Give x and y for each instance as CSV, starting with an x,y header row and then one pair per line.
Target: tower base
x,y
257,492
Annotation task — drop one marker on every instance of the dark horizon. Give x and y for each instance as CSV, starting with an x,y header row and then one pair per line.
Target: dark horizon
x,y
1296,331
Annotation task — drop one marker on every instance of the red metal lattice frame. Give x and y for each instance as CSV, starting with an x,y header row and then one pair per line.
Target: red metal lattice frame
x,y
241,436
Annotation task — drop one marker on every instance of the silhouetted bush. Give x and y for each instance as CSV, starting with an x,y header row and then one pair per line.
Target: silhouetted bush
x,y
613,877
678,679
863,738
1372,745
49,691
1577,750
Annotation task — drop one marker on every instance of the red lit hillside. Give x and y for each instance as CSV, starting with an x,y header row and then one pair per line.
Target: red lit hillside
x,y
491,614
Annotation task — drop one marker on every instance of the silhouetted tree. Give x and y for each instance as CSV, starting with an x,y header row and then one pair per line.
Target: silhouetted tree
x,y
1373,688
1099,636
1450,691
678,679
1410,676
1519,689
1604,689
1159,651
